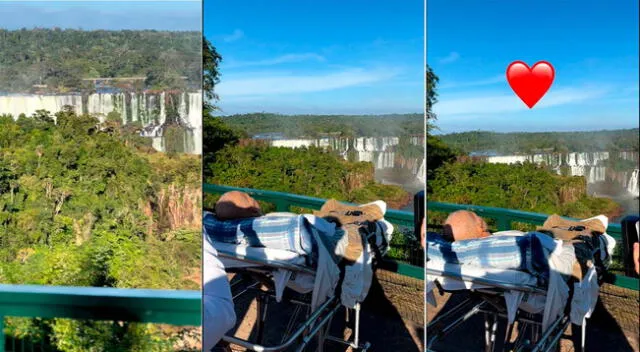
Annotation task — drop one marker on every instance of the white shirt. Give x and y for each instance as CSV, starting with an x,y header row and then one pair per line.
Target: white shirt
x,y
217,304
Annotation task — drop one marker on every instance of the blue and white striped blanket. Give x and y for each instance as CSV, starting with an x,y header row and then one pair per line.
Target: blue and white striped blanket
x,y
286,232
524,253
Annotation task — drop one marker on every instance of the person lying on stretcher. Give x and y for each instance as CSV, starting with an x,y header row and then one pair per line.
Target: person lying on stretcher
x,y
463,229
237,218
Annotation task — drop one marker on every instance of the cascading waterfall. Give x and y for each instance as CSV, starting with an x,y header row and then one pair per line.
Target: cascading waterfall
x,y
194,119
422,172
182,108
163,109
597,174
16,105
632,185
123,107
147,108
377,150
134,107
590,165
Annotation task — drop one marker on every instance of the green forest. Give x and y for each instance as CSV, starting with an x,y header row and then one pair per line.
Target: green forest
x,y
61,58
523,187
313,126
90,204
538,142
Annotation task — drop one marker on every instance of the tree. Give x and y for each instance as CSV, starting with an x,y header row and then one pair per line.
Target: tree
x,y
438,153
211,76
216,133
431,93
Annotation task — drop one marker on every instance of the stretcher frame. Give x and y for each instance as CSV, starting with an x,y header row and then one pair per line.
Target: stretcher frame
x,y
493,309
317,323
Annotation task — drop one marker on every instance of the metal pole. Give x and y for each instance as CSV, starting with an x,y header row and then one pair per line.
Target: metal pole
x,y
356,339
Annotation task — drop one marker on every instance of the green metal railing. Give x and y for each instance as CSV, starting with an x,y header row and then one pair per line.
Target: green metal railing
x,y
174,307
505,217
284,202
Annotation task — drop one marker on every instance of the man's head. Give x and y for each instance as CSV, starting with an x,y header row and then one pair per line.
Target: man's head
x,y
464,225
237,205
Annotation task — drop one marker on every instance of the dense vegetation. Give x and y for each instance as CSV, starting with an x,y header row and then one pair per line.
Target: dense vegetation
x,y
60,59
523,187
536,142
311,126
90,204
306,171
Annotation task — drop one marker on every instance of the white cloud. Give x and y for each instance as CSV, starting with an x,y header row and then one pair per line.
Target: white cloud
x,y
236,35
290,83
452,57
472,104
288,58
481,82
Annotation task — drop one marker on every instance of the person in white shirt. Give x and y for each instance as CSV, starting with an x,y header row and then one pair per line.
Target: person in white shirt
x,y
217,303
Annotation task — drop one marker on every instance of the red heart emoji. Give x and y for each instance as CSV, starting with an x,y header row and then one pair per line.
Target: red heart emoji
x,y
530,84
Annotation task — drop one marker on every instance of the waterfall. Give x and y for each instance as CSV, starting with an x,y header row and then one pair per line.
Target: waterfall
x,y
147,108
579,164
591,165
596,174
163,109
509,159
377,150
144,118
134,107
385,160
632,185
366,156
16,105
182,107
123,108
422,172
293,143
194,119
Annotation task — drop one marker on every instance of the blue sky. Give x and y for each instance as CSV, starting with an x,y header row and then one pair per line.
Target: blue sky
x,y
181,15
325,57
593,46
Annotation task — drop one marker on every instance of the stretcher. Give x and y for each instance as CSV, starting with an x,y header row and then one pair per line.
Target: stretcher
x,y
289,273
537,306
316,322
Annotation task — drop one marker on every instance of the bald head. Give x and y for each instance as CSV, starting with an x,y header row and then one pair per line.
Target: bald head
x,y
465,225
237,205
